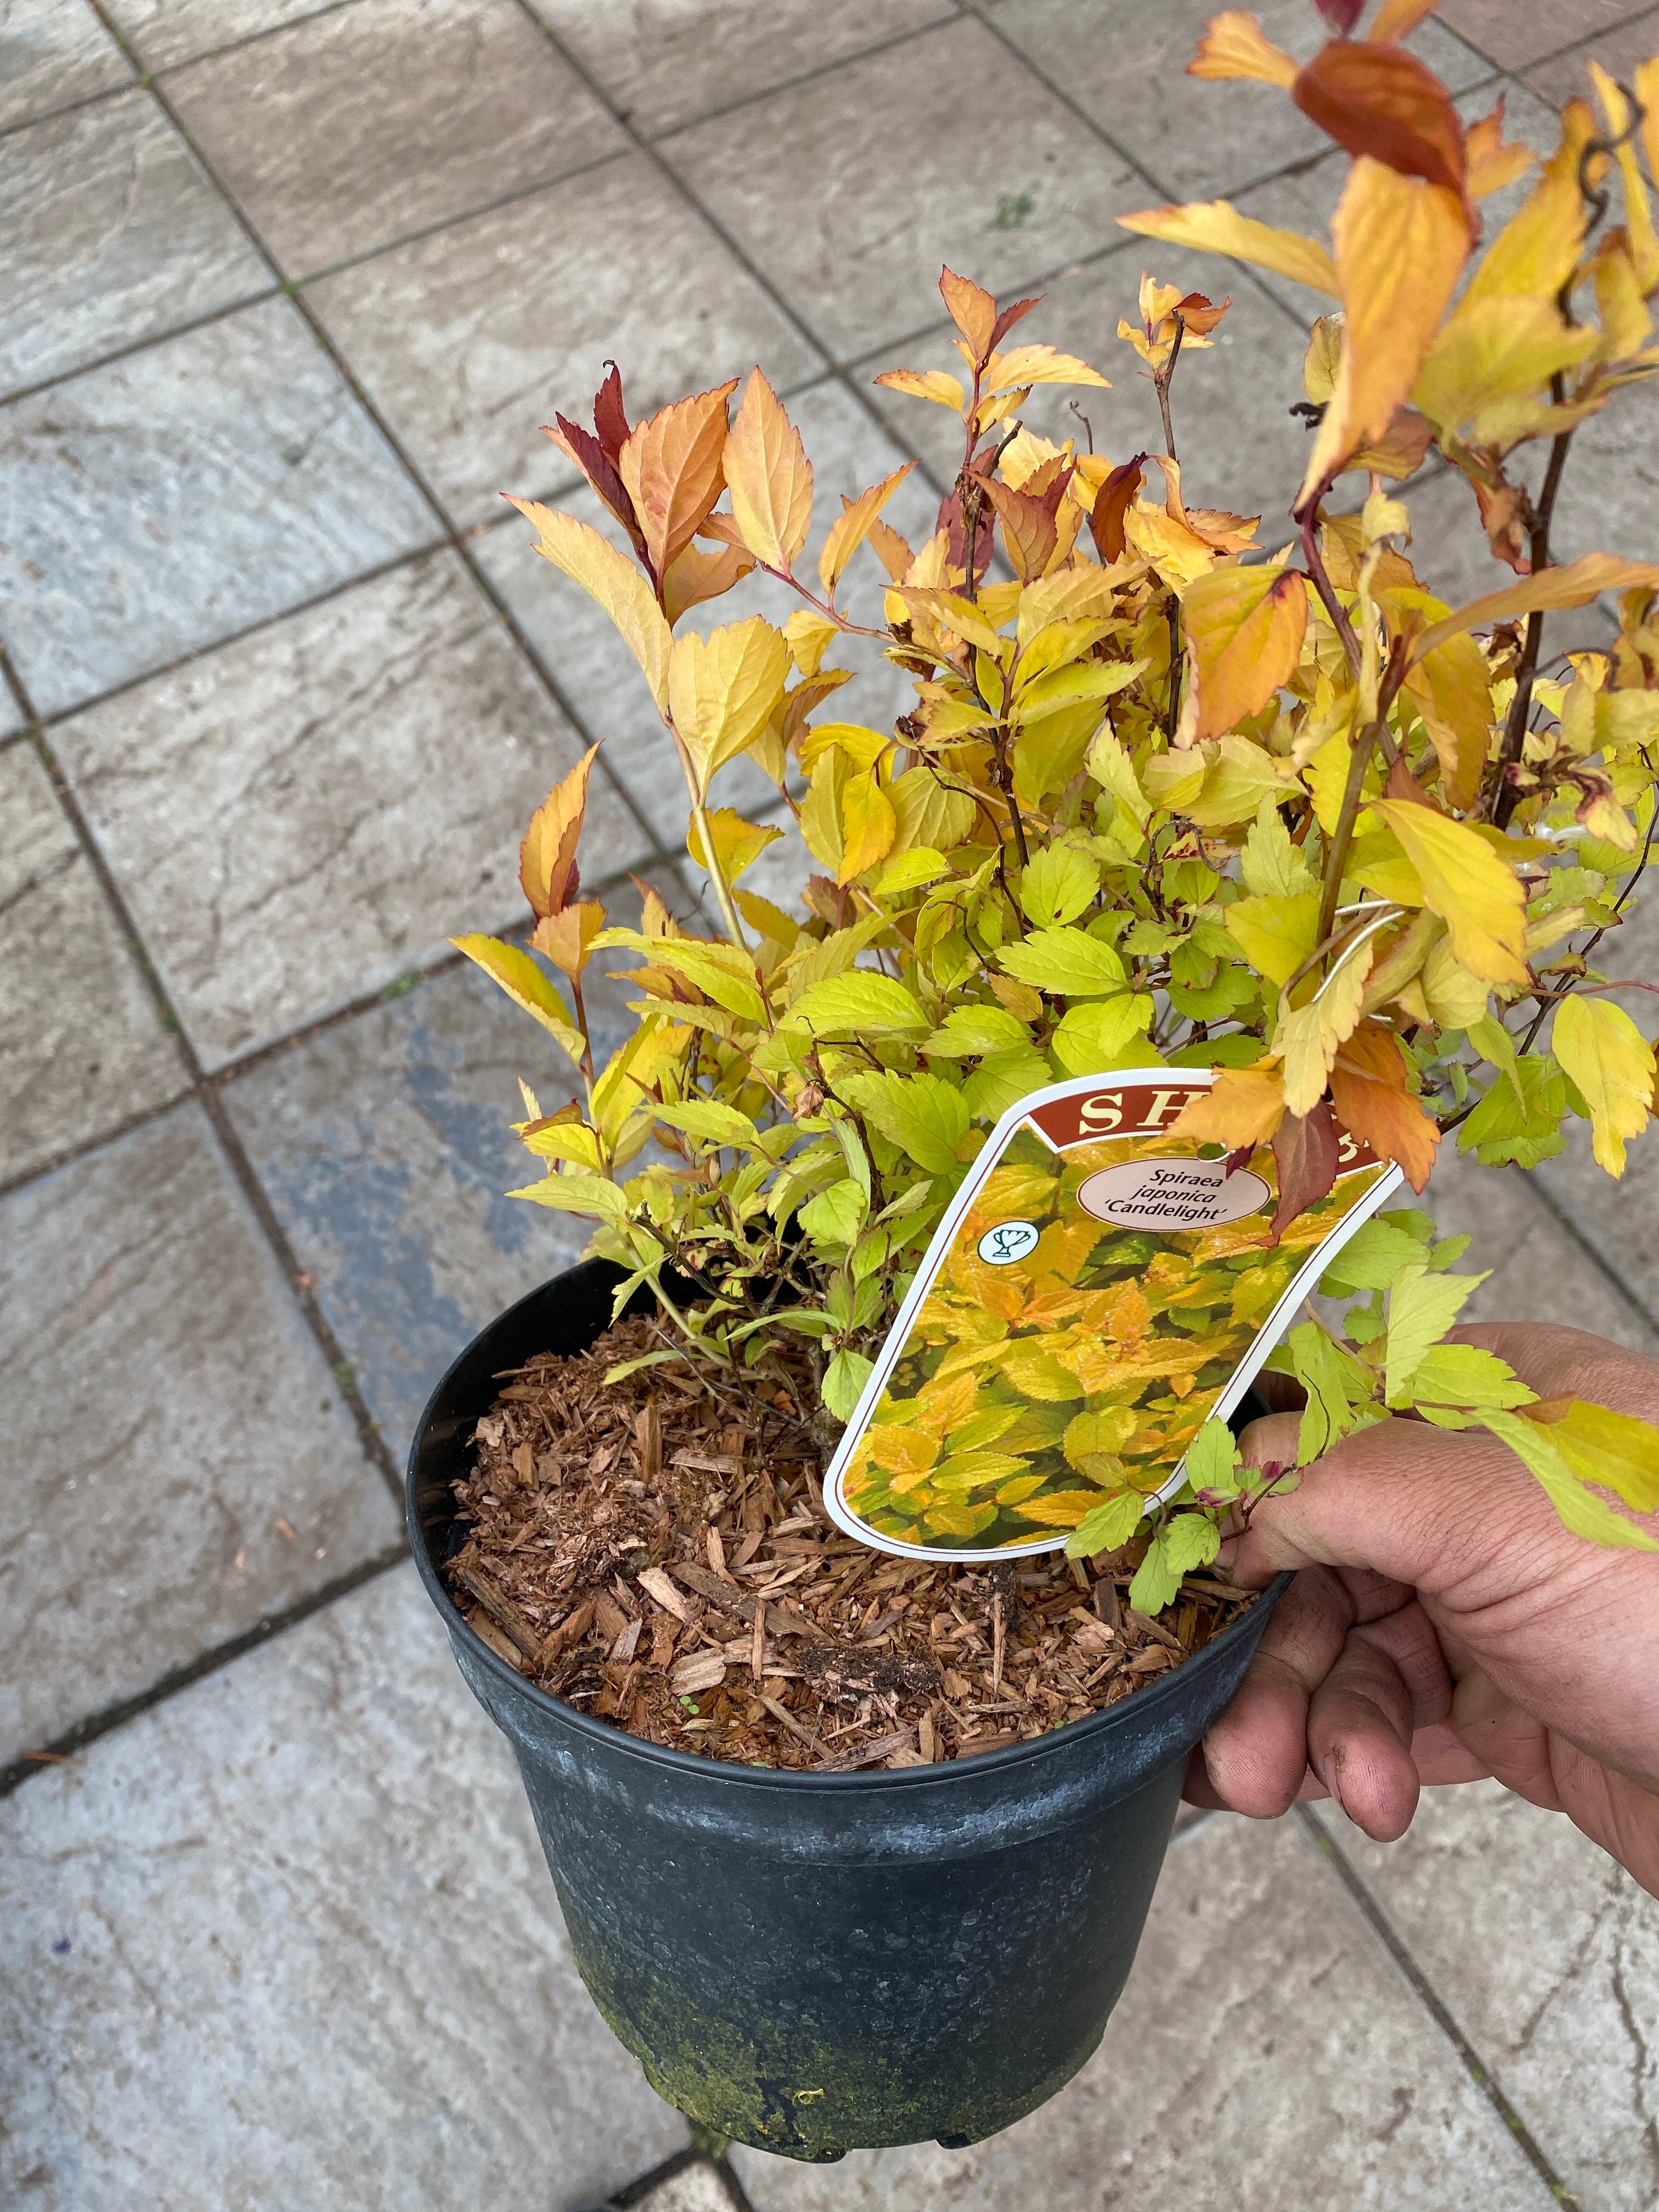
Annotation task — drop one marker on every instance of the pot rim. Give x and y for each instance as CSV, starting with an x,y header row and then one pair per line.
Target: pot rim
x,y
1145,1703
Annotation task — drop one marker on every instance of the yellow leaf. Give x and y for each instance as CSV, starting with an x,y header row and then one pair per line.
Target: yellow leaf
x,y
1452,690
548,856
1400,245
810,636
1245,626
724,689
1240,776
1233,46
1492,350
567,937
769,477
867,825
1455,1000
671,465
1574,585
1275,933
1538,250
770,920
737,844
931,810
1475,893
1244,1106
613,579
1168,544
527,986
1639,212
1377,860
852,526
1606,1056
694,576
1322,359
1307,1038
1037,364
1215,227
1398,19
931,383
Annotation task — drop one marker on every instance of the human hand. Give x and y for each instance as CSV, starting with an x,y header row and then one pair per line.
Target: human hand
x,y
1444,1626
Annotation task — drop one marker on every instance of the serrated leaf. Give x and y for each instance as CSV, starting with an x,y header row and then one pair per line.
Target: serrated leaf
x,y
1371,1258
835,1216
737,844
1307,1039
853,524
724,689
1276,935
912,870
860,1000
1185,1541
843,1384
970,1029
1370,1079
1466,1376
925,383
868,825
1476,893
1212,1457
1036,364
1502,1130
1106,1527
1058,883
1067,963
1243,1106
1606,1058
1611,1449
769,477
528,987
712,1121
611,579
577,1193
1336,1385
924,1115
671,465
547,858
928,811
1422,1307
1245,628
1574,585
1580,1510
1272,867
1100,1034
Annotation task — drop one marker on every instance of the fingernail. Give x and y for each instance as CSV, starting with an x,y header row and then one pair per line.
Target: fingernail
x,y
1335,1786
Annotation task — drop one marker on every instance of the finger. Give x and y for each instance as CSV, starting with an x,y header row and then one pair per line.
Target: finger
x,y
1256,1755
1389,1679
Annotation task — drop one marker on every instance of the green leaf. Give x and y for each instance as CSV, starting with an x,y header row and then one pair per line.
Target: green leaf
x,y
1464,1375
968,1030
1422,1307
1104,1527
633,1366
1611,1449
1097,1036
843,1382
1493,1042
527,984
1185,1541
1275,933
861,1002
1336,1383
1212,1458
911,869
1058,885
1068,962
1499,1130
577,1193
712,1121
836,1215
1002,1079
1271,866
720,971
1580,1510
1371,1258
924,1115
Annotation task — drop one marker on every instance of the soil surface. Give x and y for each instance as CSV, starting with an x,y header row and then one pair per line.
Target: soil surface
x,y
661,1558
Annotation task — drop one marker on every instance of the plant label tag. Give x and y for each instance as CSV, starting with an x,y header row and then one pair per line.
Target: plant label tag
x,y
1096,1291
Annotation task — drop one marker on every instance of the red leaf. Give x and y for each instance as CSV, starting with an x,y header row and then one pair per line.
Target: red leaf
x,y
1028,525
955,551
1308,1151
1005,321
1368,1084
1341,15
598,466
609,419
1112,502
1381,100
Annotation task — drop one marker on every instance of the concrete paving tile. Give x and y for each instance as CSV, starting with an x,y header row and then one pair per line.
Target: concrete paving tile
x,y
850,451
161,502
177,1411
289,1940
109,234
1239,446
1621,49
82,1046
849,191
666,61
368,122
311,812
1547,1954
689,2183
469,340
1513,33
165,31
52,53
1266,2054
1199,140
385,1146
1540,1271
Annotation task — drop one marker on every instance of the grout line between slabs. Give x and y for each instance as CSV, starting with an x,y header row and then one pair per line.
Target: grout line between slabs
x,y
1563,1218
1477,2068
110,1717
152,339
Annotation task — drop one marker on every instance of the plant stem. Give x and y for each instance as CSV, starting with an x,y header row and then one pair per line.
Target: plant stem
x,y
1172,711
1327,591
1336,859
1161,380
1505,795
717,877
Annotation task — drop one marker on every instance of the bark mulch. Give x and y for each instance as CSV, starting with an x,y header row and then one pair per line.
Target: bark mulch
x,y
664,1560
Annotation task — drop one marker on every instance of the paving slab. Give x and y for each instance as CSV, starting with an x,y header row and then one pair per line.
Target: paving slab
x,y
1621,49
385,1147
1547,1954
1513,33
469,340
1267,2053
163,502
850,451
177,1414
687,2183
289,1940
165,31
109,235
848,192
1199,139
364,124
83,1048
51,53
314,810
665,62
1238,444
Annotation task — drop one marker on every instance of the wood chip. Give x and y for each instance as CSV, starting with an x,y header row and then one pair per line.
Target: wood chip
x,y
627,1643
868,1754
1155,1629
698,1670
661,1587
647,1442
717,1555
785,1718
609,1617
501,1609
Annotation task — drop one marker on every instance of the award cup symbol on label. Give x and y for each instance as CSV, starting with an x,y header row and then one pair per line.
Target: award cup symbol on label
x,y
1096,1291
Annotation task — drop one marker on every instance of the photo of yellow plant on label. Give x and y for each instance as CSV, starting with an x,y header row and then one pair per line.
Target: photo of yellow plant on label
x,y
1100,1286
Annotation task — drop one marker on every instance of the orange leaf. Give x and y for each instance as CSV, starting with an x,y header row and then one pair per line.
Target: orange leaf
x,y
1368,1089
854,525
1028,529
1233,45
770,478
694,576
1493,164
671,466
1246,628
1400,246
1398,19
891,551
1308,1152
1112,502
547,858
565,938
1244,1106
972,311
1381,102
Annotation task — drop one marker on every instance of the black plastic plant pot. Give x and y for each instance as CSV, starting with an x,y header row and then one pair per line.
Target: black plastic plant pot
x,y
817,1963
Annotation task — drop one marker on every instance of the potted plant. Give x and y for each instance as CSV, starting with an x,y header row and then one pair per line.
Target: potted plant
x,y
856,1848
